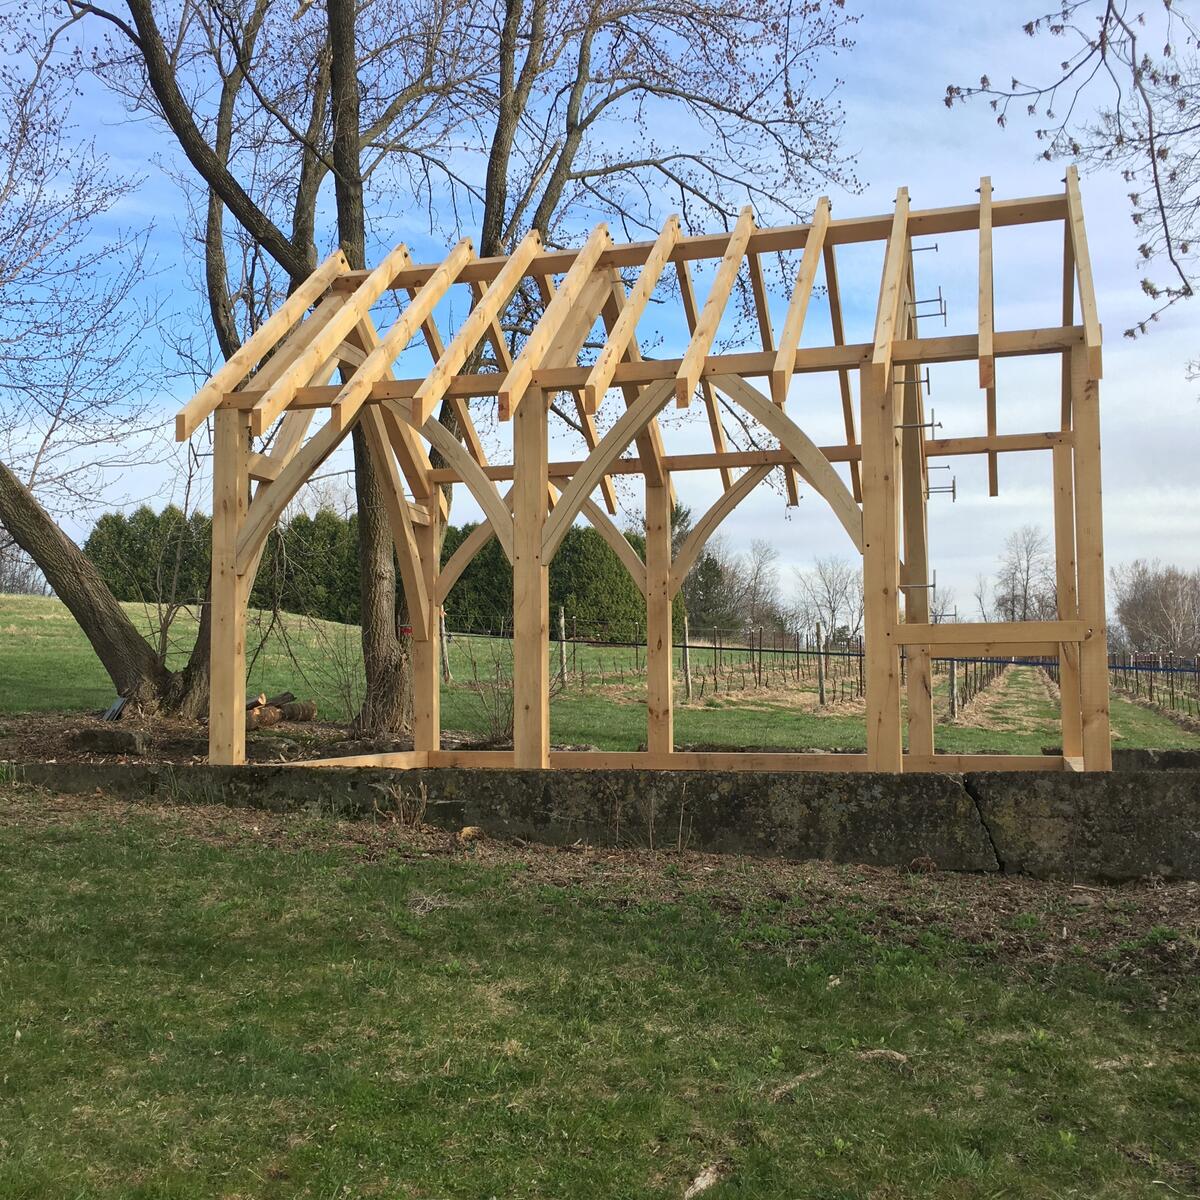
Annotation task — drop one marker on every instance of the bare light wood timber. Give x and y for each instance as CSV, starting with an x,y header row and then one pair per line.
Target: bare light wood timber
x,y
277,418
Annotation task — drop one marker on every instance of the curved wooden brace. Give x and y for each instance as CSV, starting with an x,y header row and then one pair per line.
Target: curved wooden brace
x,y
707,525
812,465
486,494
617,542
458,562
614,443
270,502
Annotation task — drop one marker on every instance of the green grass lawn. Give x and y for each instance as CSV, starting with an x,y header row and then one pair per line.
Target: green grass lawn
x,y
205,1002
46,665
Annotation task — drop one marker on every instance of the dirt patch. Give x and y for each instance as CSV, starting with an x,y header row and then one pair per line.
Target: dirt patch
x,y
1147,931
54,737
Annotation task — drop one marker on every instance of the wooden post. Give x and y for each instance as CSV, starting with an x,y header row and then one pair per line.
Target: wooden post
x,y
531,601
953,686
687,659
660,730
1089,552
424,652
227,683
881,565
919,683
1068,600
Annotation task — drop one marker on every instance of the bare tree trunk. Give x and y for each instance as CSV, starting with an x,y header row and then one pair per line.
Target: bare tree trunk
x,y
384,658
128,658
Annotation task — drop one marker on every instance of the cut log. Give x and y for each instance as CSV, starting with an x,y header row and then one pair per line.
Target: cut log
x,y
300,710
264,717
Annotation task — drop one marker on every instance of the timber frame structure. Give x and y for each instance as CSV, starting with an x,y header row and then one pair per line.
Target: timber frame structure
x,y
271,388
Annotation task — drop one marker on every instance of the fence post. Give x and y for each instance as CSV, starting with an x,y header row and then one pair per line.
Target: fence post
x,y
687,660
562,646
446,676
820,669
953,689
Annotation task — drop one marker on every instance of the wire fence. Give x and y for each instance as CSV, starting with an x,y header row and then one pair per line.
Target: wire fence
x,y
718,660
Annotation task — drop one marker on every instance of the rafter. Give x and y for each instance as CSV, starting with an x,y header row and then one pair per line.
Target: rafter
x,y
487,309
303,366
379,361
258,346
691,313
692,366
622,333
520,376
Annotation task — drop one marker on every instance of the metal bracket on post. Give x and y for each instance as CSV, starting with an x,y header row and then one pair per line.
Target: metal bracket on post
x,y
932,423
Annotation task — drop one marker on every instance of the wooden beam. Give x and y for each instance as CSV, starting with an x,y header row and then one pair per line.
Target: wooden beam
x,y
708,524
531,615
227,687
649,441
204,403
425,650
301,369
467,471
619,338
691,313
734,460
660,723
487,310
1067,599
638,372
844,231
987,359
994,633
1068,308
793,325
766,333
520,376
881,565
812,465
1089,553
1083,274
400,521
614,443
690,369
914,574
891,284
839,340
379,361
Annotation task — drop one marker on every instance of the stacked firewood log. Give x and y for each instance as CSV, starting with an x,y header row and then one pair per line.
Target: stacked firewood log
x,y
262,711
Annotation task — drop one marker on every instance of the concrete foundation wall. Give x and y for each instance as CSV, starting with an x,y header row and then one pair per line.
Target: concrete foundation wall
x,y
1126,825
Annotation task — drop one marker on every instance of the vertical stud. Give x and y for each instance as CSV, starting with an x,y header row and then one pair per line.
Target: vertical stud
x,y
227,682
660,724
880,569
1067,595
531,600
426,672
1089,553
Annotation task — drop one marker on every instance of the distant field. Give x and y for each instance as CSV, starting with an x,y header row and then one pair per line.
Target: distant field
x,y
46,665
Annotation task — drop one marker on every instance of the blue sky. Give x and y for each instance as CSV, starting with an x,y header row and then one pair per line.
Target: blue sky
x,y
901,133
